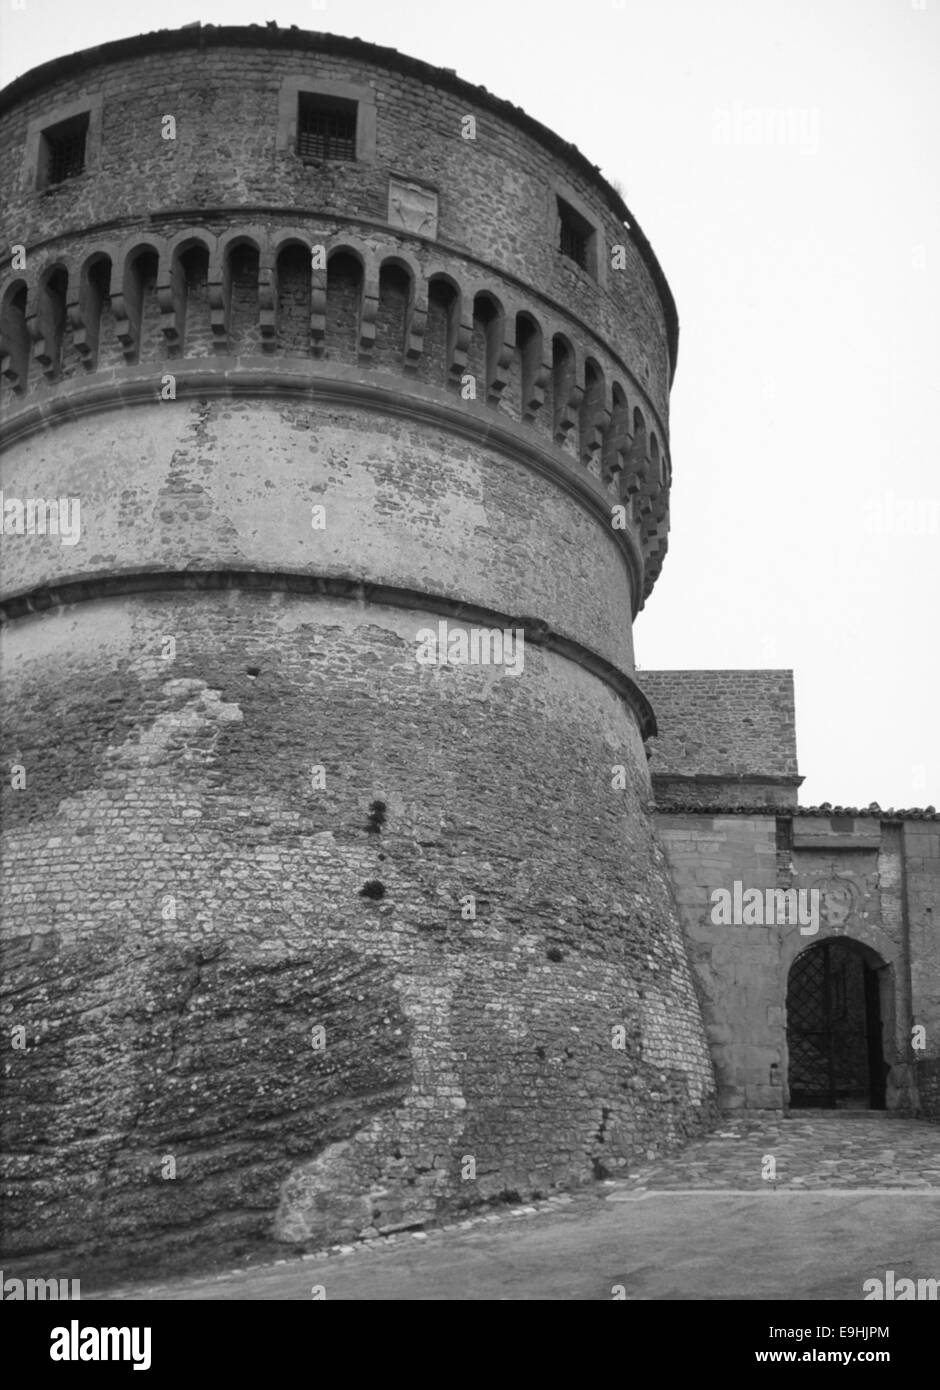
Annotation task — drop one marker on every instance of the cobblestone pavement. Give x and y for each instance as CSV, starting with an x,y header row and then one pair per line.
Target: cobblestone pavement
x,y
829,1149
854,1194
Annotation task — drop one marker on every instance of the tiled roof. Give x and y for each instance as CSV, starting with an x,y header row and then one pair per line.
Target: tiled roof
x,y
874,811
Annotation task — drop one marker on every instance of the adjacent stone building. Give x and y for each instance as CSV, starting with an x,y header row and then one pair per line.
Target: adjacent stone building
x,y
838,1006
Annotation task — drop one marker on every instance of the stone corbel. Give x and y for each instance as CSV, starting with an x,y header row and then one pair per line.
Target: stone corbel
x,y
12,367
219,294
458,346
415,325
367,314
499,376
655,531
567,413
534,398
637,471
75,313
617,447
43,336
654,495
592,445
655,546
267,302
42,355
170,301
126,328
318,283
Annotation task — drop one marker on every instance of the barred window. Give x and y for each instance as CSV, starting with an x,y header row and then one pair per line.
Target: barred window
x,y
576,237
326,128
573,243
64,148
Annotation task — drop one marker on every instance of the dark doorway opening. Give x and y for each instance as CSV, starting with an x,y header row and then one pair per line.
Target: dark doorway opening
x,y
834,1034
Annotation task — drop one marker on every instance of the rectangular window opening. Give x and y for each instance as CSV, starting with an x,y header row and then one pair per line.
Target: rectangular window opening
x,y
326,127
64,150
576,236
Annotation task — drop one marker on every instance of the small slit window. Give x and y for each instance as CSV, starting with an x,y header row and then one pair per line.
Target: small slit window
x,y
575,236
326,127
63,150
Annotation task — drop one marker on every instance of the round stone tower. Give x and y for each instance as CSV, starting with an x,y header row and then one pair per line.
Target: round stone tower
x,y
335,470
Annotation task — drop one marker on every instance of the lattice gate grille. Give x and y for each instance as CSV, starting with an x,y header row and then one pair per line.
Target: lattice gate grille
x,y
808,1029
827,1028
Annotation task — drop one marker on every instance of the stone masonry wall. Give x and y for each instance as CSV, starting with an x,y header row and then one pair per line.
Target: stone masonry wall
x,y
185,907
928,1084
724,736
230,484
921,848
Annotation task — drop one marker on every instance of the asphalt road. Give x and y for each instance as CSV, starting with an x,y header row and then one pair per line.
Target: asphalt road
x,y
657,1245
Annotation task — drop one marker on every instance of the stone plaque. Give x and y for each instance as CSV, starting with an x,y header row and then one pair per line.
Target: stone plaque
x,y
838,900
413,207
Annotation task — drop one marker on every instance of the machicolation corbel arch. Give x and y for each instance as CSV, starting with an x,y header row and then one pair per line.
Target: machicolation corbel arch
x,y
111,307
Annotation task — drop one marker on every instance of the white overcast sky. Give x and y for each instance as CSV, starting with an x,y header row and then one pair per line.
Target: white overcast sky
x,y
783,156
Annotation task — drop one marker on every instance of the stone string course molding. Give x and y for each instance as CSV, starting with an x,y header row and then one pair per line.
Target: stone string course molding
x,y
231,377
534,631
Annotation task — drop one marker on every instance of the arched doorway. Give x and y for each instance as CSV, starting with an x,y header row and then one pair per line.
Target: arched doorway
x,y
834,1028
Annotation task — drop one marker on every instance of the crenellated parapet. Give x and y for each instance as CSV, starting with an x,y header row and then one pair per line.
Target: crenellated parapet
x,y
106,309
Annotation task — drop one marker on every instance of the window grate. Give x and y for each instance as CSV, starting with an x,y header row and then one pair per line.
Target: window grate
x,y
326,132
576,237
66,156
573,243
